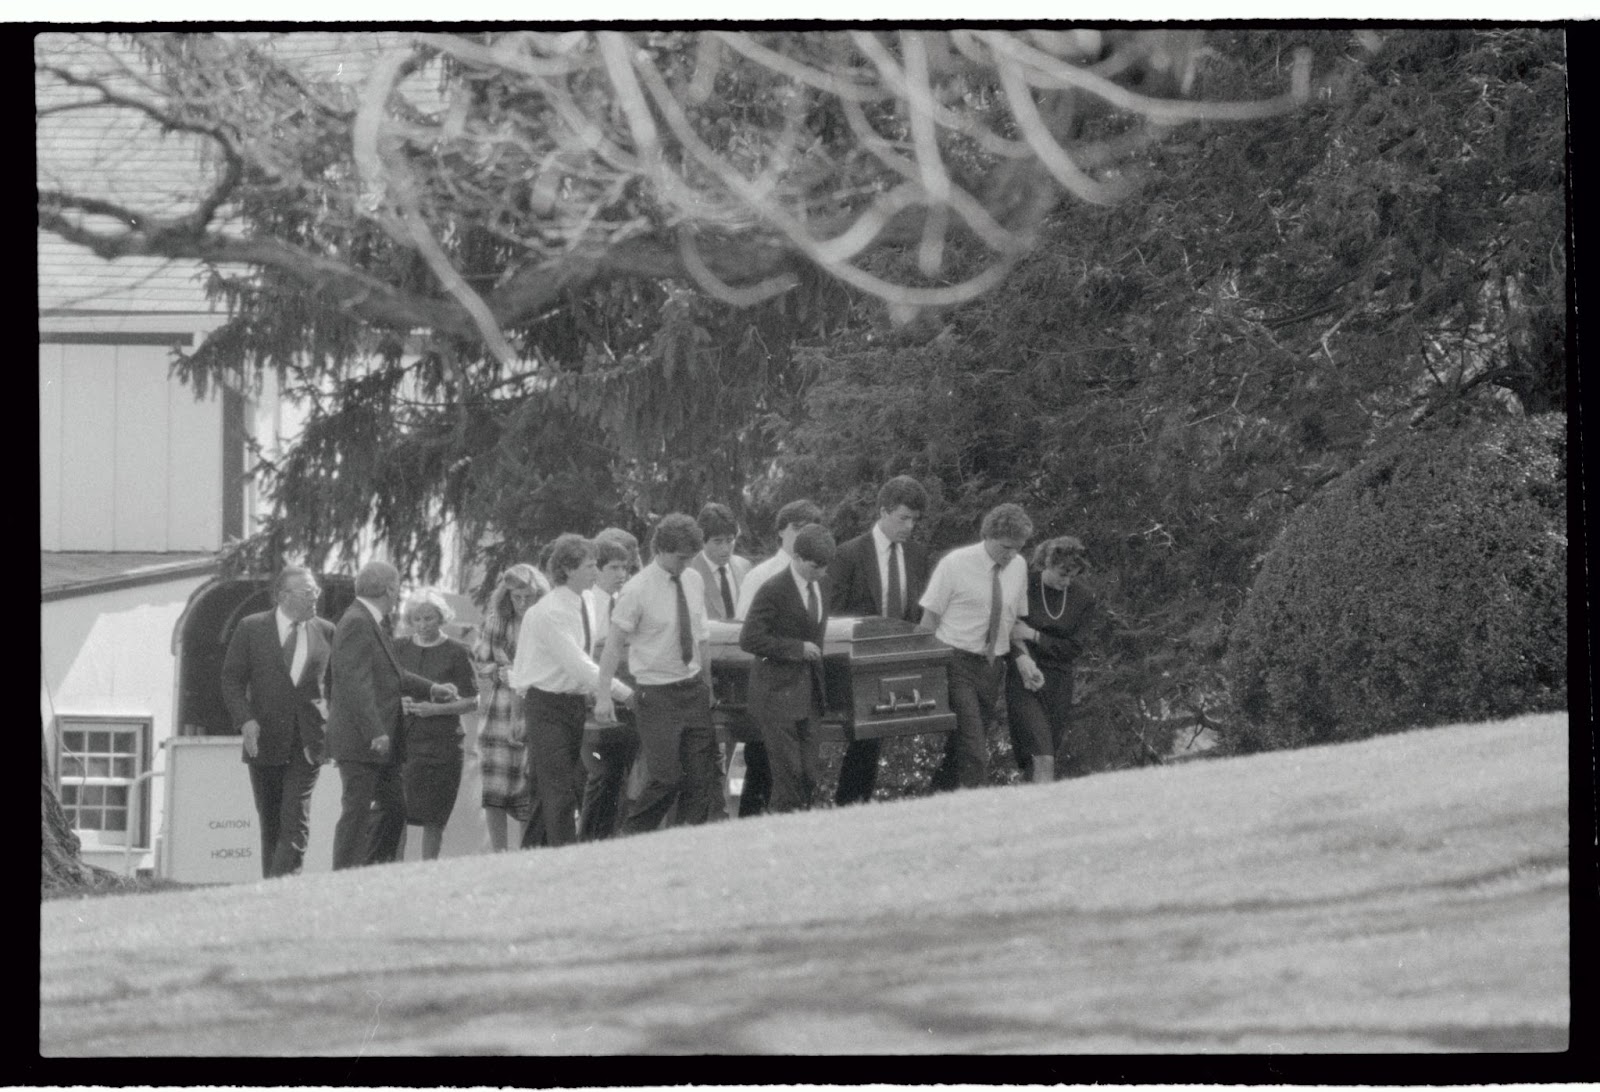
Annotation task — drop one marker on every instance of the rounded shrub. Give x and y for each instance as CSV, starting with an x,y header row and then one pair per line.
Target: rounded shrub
x,y
1427,585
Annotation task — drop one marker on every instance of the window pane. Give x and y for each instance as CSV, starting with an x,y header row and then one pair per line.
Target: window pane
x,y
97,767
100,742
89,819
93,795
117,795
116,819
72,741
123,766
126,743
69,795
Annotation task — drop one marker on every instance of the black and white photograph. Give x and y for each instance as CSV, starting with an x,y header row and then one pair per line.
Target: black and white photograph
x,y
874,542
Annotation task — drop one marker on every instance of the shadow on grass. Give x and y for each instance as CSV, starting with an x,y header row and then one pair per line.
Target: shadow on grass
x,y
760,989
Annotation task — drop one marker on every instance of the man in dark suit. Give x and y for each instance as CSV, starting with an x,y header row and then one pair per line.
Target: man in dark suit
x,y
272,684
364,722
879,573
784,632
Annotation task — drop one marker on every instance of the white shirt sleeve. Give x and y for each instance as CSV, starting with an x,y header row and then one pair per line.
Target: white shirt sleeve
x,y
936,596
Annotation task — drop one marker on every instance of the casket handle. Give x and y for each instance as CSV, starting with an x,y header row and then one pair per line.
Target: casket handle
x,y
915,704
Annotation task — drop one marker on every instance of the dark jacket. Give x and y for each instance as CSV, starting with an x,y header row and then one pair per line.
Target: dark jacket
x,y
256,686
784,685
855,588
1061,638
365,689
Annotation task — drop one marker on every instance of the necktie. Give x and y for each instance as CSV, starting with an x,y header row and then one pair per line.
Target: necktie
x,y
994,613
811,602
289,645
588,636
685,632
893,605
727,591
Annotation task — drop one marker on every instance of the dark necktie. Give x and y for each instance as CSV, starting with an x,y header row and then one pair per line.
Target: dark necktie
x,y
893,605
685,632
812,605
289,646
994,613
727,591
588,636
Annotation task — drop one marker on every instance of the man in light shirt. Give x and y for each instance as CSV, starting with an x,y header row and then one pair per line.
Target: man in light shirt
x,y
272,684
791,518
610,749
659,624
554,671
972,604
722,571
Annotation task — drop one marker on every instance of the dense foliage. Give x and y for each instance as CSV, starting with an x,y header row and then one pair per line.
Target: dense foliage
x,y
1426,586
1170,379
483,262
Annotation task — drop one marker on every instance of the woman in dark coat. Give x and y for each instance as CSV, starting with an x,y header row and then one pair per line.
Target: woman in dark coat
x,y
1060,613
433,732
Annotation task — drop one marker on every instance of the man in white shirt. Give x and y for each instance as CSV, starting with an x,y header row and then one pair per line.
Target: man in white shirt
x,y
272,684
879,573
972,602
608,750
791,518
722,571
659,624
554,671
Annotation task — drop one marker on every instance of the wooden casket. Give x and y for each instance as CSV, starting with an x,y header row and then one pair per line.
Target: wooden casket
x,y
882,677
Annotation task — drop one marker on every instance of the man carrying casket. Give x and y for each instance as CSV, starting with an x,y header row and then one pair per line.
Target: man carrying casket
x,y
784,632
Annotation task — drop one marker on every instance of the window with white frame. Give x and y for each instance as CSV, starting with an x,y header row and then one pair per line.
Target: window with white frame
x,y
98,763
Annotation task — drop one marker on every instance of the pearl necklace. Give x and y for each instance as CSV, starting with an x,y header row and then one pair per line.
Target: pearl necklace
x,y
1044,601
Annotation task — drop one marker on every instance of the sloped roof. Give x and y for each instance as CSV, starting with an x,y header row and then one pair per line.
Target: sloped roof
x,y
65,574
110,152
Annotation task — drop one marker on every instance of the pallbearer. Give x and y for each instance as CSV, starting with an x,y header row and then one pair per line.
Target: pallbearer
x,y
881,572
659,624
784,632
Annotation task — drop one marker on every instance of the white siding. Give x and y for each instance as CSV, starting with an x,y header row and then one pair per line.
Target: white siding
x,y
193,474
88,432
50,447
128,459
140,472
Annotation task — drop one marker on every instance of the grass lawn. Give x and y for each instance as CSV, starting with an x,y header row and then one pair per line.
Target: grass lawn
x,y
1407,893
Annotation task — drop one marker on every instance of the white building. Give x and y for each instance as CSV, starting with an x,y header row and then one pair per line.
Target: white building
x,y
141,484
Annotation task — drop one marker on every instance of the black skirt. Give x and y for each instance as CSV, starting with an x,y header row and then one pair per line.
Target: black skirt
x,y
432,772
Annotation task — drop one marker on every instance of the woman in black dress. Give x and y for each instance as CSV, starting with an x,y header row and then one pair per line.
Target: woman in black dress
x,y
1060,612
433,732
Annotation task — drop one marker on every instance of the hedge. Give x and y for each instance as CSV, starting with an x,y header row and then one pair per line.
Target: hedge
x,y
1425,586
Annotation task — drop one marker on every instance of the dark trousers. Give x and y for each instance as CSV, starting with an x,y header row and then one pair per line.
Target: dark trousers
x,y
1040,719
757,790
680,754
975,686
372,814
608,751
283,807
794,758
555,743
858,773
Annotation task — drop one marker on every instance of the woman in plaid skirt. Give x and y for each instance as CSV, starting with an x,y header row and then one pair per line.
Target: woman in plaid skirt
x,y
501,743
